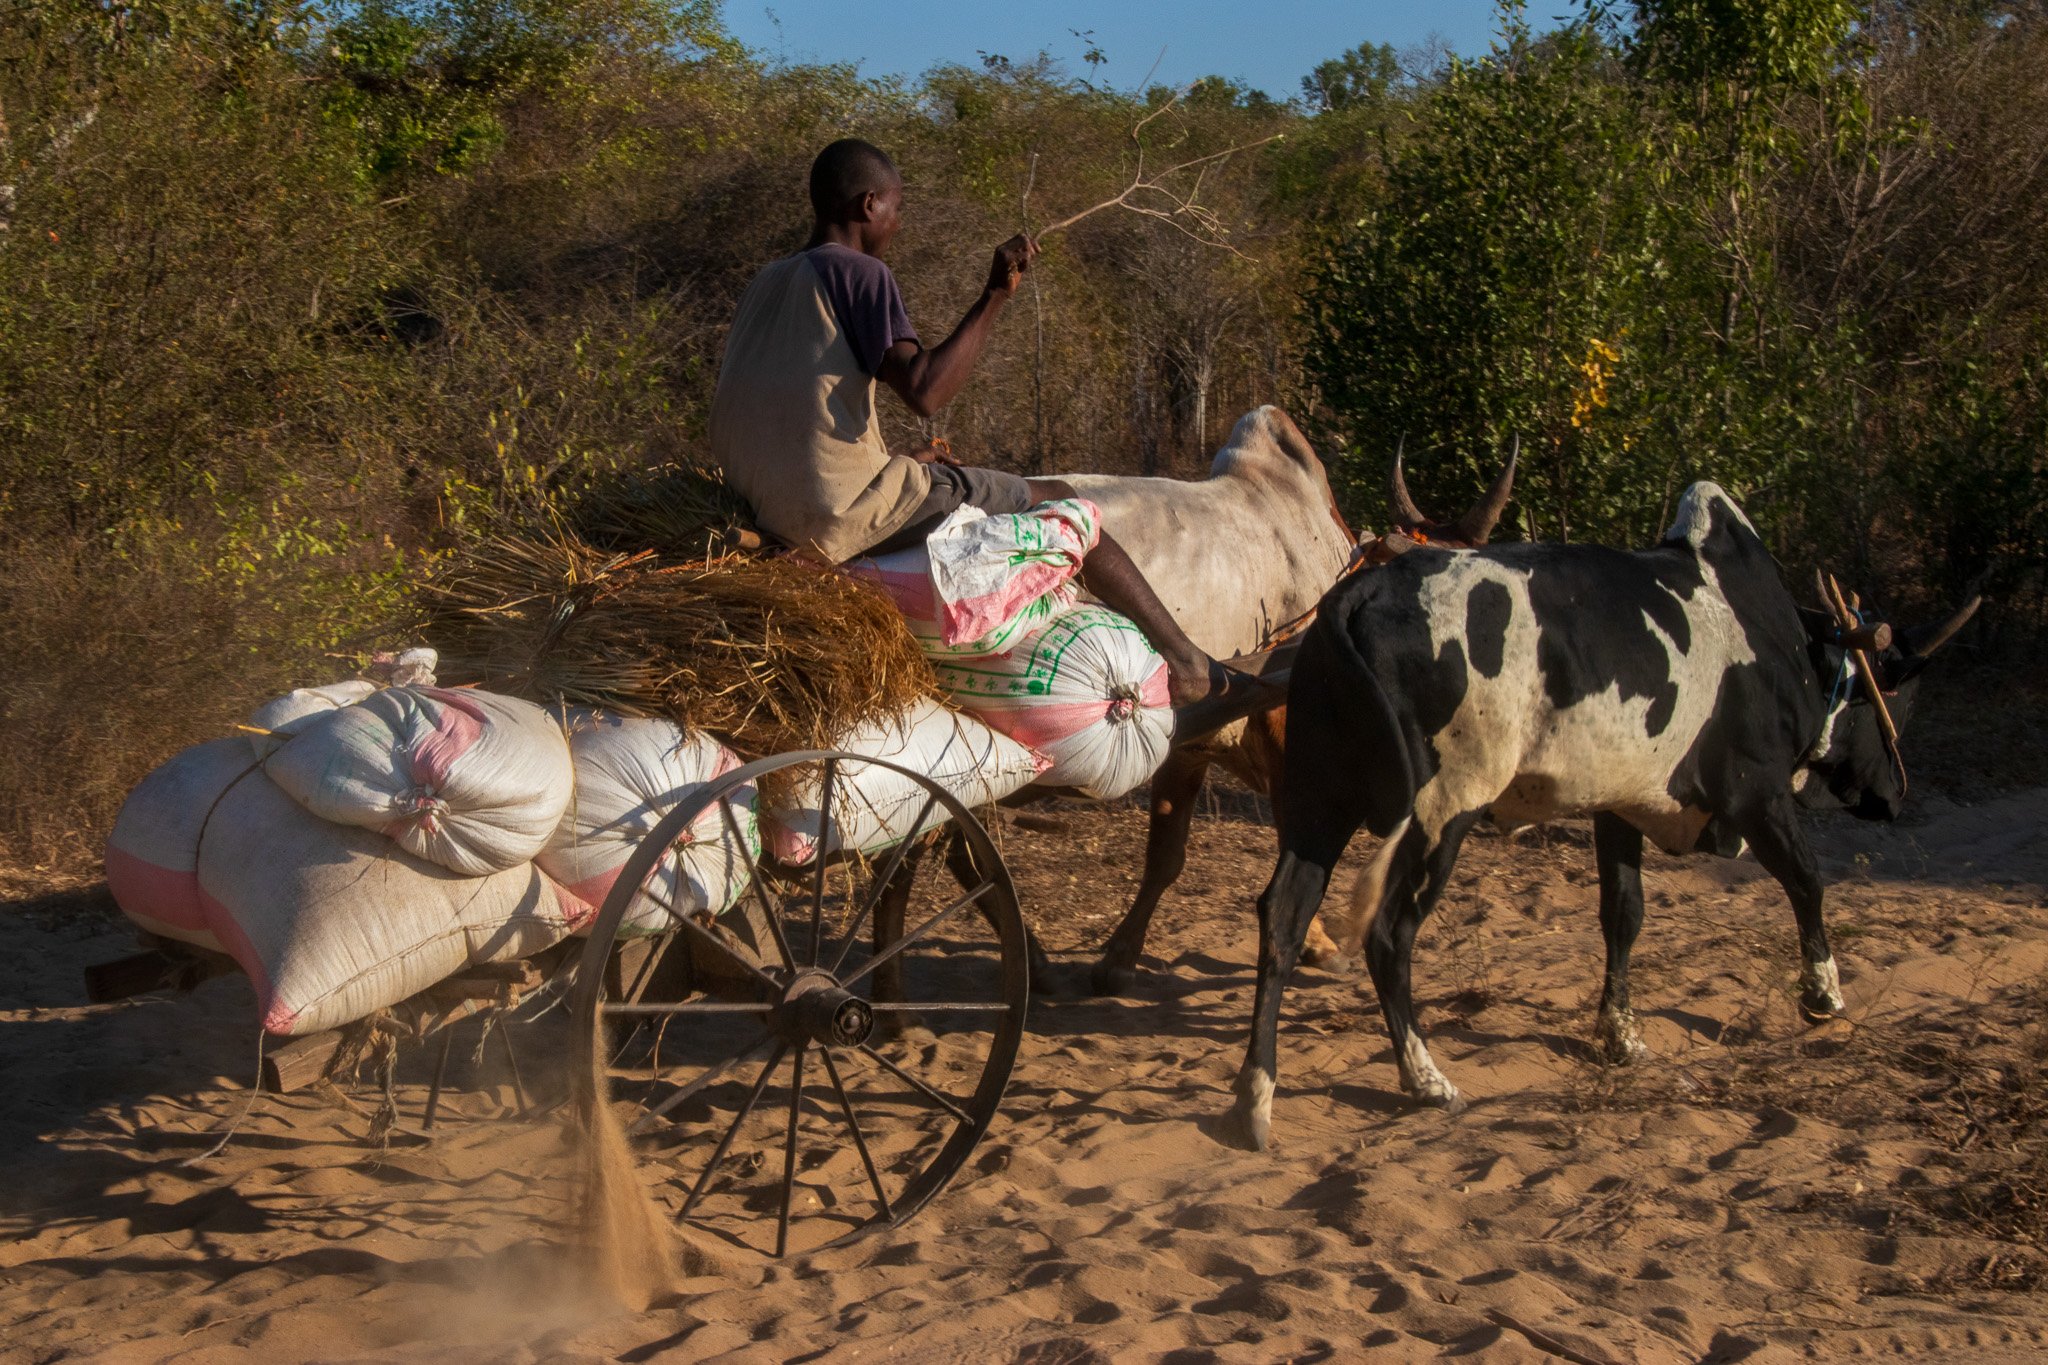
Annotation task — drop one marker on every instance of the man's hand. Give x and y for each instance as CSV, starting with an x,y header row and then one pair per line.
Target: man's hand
x,y
1013,258
940,451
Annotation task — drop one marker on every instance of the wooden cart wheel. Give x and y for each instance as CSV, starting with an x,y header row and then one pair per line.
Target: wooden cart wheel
x,y
755,1071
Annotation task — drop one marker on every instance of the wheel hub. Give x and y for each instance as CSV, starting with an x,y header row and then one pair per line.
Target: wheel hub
x,y
816,1009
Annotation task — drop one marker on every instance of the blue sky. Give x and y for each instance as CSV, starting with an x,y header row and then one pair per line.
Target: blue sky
x,y
1268,46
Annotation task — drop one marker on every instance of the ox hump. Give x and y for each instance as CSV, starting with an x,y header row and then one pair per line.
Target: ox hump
x,y
1697,520
1265,440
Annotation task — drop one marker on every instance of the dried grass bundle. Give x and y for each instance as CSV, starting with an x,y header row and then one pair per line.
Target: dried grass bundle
x,y
773,654
677,510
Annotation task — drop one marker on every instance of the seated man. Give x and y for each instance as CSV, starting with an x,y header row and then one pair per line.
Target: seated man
x,y
794,428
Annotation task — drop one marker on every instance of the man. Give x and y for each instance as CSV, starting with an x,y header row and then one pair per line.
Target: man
x,y
794,427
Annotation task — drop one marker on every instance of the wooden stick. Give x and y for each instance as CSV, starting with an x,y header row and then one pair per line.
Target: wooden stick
x,y
1183,205
1867,671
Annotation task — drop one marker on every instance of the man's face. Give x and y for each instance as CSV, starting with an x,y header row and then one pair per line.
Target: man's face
x,y
885,217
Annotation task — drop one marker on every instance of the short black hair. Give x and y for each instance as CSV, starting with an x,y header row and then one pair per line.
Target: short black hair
x,y
845,171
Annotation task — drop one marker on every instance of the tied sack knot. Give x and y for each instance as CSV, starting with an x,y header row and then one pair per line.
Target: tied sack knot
x,y
423,806
1123,704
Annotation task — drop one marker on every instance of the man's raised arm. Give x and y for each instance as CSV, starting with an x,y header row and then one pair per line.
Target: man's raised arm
x,y
927,380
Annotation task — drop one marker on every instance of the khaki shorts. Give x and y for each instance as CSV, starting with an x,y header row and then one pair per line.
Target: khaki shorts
x,y
954,487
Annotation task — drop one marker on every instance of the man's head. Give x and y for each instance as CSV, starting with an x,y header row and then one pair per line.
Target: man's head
x,y
855,186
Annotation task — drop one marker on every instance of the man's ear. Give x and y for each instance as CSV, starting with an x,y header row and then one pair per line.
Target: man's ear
x,y
870,205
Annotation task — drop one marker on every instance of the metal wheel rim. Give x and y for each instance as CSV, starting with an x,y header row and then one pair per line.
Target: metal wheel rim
x,y
997,902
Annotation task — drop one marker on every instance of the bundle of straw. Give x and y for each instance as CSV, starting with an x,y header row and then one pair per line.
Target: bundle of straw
x,y
678,510
771,653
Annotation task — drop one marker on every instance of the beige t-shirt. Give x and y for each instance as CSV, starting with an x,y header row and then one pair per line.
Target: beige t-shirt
x,y
793,423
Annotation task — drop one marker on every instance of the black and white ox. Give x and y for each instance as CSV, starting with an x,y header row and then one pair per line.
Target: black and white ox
x,y
1675,693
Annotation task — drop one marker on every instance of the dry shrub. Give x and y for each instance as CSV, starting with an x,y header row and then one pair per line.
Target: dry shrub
x,y
772,653
107,668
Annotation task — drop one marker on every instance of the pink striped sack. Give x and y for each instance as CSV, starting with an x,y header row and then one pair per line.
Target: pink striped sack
x,y
981,583
153,851
471,780
330,922
1087,691
630,773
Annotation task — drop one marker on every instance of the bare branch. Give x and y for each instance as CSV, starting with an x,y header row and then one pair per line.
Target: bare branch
x,y
1180,204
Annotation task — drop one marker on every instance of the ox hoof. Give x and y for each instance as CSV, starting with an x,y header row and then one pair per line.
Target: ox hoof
x,y
1244,1126
1249,1124
1110,978
1620,1042
1820,1009
1325,959
1622,1049
1441,1095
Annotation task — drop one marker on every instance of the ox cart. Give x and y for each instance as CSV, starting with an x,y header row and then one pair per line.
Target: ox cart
x,y
819,1060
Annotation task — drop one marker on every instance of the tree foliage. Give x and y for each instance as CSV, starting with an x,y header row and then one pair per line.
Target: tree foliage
x,y
289,295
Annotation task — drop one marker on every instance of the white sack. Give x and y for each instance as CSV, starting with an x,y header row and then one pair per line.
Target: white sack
x,y
630,773
153,852
332,922
471,780
1088,691
292,712
874,808
981,583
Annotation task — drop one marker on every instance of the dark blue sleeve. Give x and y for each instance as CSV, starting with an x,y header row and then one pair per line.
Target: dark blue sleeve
x,y
866,302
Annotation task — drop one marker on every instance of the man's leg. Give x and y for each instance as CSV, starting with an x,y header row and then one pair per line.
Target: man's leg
x,y
1111,575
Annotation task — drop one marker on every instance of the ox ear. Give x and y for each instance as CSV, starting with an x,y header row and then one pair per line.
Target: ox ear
x,y
1478,522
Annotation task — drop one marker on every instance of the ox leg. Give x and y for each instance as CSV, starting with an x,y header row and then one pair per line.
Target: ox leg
x,y
1421,868
1174,788
1290,901
1618,847
1780,845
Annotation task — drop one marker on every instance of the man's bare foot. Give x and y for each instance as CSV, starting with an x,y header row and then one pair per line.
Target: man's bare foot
x,y
1190,680
1221,695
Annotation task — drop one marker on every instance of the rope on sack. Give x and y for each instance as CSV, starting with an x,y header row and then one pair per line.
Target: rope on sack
x,y
262,1038
248,1107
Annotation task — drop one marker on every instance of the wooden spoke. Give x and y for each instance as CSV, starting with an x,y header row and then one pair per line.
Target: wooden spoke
x,y
756,885
692,1007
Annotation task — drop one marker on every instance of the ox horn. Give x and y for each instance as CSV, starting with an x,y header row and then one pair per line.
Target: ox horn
x,y
1477,524
1407,516
1924,640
